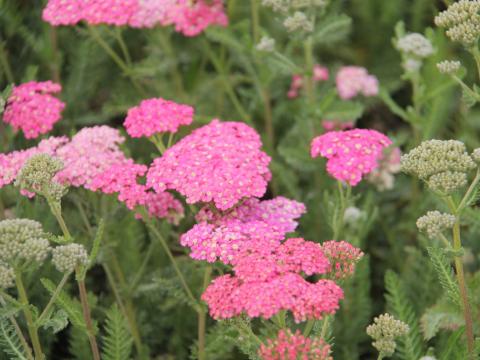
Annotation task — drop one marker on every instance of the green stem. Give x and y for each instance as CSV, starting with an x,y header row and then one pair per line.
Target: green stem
x,y
52,300
255,21
308,79
338,225
138,276
308,327
88,319
32,329
202,318
164,244
476,55
55,207
19,332
5,64
157,140
176,75
2,208
457,245
323,333
55,55
469,192
123,46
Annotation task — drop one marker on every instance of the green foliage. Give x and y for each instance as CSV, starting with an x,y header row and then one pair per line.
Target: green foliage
x,y
117,341
10,343
410,346
445,275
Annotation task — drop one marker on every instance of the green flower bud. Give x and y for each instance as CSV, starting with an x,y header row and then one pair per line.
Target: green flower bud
x,y
476,155
7,276
298,22
447,182
462,21
22,240
67,257
448,66
37,176
434,223
384,330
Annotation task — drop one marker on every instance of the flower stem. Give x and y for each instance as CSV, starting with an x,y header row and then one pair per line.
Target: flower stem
x,y
88,320
57,212
55,294
202,318
457,245
308,327
32,329
255,21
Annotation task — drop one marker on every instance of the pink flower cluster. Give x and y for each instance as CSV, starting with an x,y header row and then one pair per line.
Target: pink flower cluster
x,y
343,257
351,153
294,346
90,152
354,80
220,162
268,279
189,17
223,237
122,178
11,163
156,116
320,73
33,109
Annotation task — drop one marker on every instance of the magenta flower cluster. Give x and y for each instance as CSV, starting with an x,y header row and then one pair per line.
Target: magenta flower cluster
x,y
320,73
189,17
156,116
351,154
220,163
32,109
293,346
355,80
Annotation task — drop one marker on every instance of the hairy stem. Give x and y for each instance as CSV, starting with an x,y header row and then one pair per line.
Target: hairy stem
x,y
88,319
32,329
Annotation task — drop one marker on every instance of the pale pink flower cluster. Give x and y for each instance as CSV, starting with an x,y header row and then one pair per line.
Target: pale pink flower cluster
x,y
220,162
90,152
156,116
189,17
351,154
122,178
320,73
222,237
355,80
11,163
268,279
389,165
294,346
343,257
33,109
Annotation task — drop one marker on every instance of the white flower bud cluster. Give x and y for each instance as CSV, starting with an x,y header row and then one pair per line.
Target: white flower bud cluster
x,y
67,257
434,223
266,44
384,330
281,6
443,164
298,22
415,44
22,240
462,21
37,176
476,155
448,66
7,276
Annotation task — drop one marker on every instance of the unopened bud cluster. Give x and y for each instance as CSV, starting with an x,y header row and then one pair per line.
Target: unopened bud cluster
x,y
22,240
443,164
462,21
415,45
384,330
448,66
434,223
37,176
67,257
298,22
266,44
476,155
7,276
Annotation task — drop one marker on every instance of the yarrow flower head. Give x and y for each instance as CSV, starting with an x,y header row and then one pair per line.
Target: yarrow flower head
x,y
351,154
384,331
298,22
289,346
462,21
157,116
416,45
33,109
7,276
449,66
343,257
266,44
220,163
435,222
354,80
67,258
443,164
223,237
37,176
22,241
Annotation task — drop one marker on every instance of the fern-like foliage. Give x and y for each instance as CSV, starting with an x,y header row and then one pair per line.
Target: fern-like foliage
x,y
10,343
445,274
117,341
410,346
